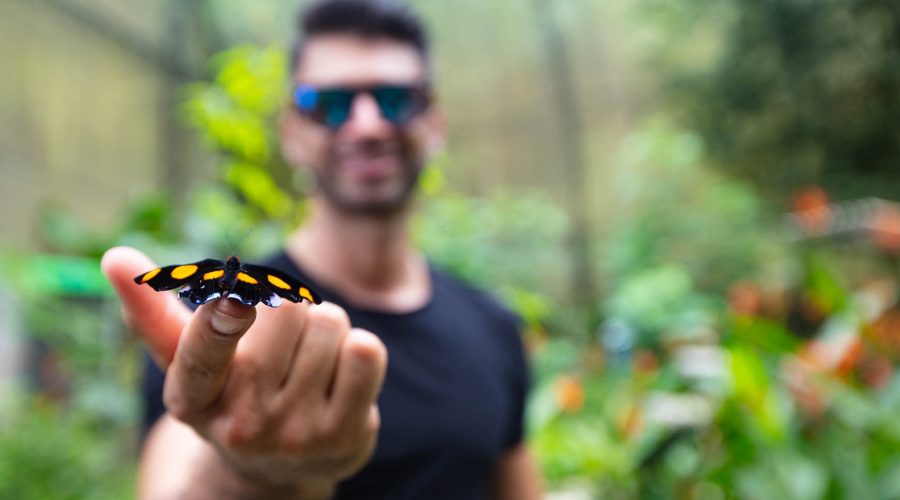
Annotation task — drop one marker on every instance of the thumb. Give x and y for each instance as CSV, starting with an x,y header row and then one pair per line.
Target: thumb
x,y
157,317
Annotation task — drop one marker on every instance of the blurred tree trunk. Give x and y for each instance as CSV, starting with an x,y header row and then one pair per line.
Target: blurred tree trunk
x,y
572,149
173,146
191,37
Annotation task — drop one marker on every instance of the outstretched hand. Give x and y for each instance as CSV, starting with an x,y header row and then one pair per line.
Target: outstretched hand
x,y
283,395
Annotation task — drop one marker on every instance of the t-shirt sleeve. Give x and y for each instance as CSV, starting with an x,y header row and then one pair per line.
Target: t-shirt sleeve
x,y
151,394
520,382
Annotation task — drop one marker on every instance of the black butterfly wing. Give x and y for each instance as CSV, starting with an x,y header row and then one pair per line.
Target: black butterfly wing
x,y
201,291
282,284
171,277
248,290
251,293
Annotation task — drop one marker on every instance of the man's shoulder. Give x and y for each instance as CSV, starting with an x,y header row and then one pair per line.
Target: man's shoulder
x,y
484,301
279,260
457,289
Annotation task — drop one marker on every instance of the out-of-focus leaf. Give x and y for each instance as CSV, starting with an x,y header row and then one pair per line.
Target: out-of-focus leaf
x,y
764,334
503,238
57,275
433,180
660,301
65,233
54,455
258,187
754,391
253,78
533,307
823,287
783,475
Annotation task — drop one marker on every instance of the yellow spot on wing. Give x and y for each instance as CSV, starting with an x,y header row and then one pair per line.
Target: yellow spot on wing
x,y
149,275
304,292
275,280
182,272
214,274
246,278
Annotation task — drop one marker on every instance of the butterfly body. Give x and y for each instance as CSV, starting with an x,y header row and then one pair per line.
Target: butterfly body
x,y
211,279
229,279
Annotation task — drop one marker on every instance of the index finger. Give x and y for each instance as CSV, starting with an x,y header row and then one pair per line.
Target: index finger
x,y
208,342
157,317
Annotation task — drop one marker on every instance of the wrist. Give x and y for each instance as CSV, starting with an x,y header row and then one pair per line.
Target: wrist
x,y
230,480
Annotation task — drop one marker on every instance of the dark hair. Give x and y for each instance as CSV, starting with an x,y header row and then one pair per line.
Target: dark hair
x,y
365,18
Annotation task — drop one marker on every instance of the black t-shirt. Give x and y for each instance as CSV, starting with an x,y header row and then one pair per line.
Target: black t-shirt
x,y
453,397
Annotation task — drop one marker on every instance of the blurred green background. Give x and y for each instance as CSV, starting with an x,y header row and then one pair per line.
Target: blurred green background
x,y
689,202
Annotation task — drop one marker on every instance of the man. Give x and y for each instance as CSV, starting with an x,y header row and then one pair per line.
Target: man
x,y
289,402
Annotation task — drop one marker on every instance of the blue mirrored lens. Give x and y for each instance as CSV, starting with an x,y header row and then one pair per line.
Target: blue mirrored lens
x,y
305,97
398,104
334,106
331,106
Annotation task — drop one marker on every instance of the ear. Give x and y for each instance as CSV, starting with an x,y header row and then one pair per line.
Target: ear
x,y
291,135
435,130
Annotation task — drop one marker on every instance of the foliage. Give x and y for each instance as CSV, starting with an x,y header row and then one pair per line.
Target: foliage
x,y
787,94
683,236
501,238
48,452
746,428
683,393
676,211
235,113
68,440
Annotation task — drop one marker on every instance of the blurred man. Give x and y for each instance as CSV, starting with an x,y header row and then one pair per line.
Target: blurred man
x,y
405,383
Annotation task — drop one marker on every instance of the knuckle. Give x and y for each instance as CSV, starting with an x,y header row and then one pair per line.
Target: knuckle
x,y
177,406
342,444
296,439
341,440
329,316
373,422
346,445
366,347
243,432
247,370
195,367
329,430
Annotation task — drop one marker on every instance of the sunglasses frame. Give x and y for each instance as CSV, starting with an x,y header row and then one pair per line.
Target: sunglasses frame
x,y
308,101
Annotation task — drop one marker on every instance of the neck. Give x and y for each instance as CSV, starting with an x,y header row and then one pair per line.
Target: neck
x,y
367,259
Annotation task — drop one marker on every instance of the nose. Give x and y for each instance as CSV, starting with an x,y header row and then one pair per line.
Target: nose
x,y
365,117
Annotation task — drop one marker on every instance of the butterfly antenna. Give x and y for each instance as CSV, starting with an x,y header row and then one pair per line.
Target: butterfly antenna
x,y
235,246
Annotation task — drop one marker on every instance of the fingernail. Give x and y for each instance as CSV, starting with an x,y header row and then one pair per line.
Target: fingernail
x,y
223,322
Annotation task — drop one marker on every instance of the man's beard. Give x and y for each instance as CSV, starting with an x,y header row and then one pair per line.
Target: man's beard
x,y
329,186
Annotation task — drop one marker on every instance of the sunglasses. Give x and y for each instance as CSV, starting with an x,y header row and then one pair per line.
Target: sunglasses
x,y
330,106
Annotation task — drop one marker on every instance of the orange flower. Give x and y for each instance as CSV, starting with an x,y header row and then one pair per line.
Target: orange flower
x,y
885,333
808,396
645,362
744,299
886,229
850,359
876,371
811,205
631,421
815,356
569,393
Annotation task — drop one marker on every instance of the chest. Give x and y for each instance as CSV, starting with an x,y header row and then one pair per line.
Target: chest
x,y
446,392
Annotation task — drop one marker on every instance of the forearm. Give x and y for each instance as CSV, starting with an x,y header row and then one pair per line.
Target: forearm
x,y
517,476
177,463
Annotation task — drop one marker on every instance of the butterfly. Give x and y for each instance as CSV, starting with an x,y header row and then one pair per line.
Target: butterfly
x,y
210,279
